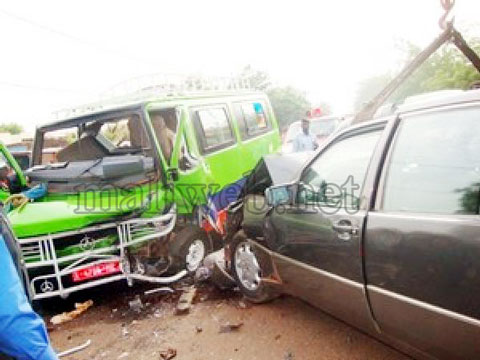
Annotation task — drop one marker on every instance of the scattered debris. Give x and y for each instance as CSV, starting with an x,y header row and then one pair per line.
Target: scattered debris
x,y
136,304
198,329
242,304
125,331
288,356
203,273
75,349
168,354
160,289
123,355
67,316
157,313
230,327
185,302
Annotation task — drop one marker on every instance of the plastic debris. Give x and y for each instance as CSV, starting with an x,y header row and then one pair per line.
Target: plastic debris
x,y
67,316
75,349
168,354
230,327
185,302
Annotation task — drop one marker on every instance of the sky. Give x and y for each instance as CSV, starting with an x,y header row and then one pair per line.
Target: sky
x,y
56,54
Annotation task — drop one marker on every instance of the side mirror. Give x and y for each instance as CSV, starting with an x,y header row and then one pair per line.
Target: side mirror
x,y
173,174
281,194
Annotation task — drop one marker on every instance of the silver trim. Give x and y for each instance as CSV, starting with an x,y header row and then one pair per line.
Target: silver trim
x,y
129,232
309,267
426,306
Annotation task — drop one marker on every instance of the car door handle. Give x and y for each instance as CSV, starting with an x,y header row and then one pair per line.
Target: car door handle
x,y
345,227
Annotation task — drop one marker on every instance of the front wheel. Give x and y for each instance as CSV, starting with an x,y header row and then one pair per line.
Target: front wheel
x,y
188,248
248,271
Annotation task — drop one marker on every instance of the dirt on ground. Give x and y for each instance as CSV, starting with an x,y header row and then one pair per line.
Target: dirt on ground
x,y
220,325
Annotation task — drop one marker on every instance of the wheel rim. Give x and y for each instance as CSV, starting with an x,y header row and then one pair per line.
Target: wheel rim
x,y
247,268
196,253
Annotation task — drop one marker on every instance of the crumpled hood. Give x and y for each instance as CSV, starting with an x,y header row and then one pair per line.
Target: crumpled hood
x,y
41,218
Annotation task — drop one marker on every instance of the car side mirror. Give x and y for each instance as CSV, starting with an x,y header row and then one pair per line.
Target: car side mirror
x,y
173,174
281,194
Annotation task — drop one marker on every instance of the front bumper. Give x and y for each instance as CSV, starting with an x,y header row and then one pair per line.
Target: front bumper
x,y
48,275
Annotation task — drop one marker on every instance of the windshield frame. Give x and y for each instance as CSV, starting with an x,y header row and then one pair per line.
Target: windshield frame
x,y
138,110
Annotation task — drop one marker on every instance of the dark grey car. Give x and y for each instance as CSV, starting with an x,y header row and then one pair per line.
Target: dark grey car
x,y
380,229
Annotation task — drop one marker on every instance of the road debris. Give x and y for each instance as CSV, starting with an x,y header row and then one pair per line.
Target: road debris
x,y
168,354
75,349
67,316
185,302
226,328
160,289
198,329
123,355
136,304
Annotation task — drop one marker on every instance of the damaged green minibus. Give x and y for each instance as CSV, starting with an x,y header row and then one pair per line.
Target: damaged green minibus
x,y
134,187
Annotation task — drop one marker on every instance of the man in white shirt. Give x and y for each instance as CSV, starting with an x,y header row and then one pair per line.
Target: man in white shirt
x,y
305,141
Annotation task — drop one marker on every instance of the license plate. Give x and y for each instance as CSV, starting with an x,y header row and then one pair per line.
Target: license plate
x,y
96,271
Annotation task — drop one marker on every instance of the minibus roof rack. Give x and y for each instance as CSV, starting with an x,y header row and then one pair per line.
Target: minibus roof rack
x,y
151,87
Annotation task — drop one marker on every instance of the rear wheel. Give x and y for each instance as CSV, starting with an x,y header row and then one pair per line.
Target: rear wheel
x,y
189,248
248,268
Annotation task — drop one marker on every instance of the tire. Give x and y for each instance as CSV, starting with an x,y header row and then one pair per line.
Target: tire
x,y
242,252
190,243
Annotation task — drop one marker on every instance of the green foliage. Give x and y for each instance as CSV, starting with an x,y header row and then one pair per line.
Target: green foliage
x,y
448,68
290,104
12,128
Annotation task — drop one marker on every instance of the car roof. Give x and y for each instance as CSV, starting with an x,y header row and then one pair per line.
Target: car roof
x,y
438,99
131,104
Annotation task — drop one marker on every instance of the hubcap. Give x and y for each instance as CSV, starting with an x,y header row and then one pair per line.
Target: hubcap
x,y
196,253
247,267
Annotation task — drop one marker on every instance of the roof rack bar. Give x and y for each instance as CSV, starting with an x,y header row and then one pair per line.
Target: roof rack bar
x,y
148,87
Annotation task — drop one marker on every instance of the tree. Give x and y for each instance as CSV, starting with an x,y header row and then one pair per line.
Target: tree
x,y
290,104
12,128
446,69
258,80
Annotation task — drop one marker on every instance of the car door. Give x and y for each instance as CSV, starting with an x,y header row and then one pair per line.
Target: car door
x,y
422,239
318,237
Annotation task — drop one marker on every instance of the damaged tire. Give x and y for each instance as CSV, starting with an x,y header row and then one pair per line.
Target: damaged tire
x,y
248,268
189,248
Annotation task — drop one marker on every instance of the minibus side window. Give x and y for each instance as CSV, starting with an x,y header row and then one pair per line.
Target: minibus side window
x,y
252,118
214,129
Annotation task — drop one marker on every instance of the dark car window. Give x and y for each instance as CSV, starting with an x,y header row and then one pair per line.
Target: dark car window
x,y
336,177
435,164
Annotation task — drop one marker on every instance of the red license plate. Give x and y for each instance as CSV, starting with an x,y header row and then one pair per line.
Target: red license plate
x,y
96,271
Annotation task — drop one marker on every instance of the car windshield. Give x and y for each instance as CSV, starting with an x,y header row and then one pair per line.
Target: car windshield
x,y
95,139
322,127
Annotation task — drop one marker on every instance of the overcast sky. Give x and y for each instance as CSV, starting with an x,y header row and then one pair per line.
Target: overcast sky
x,y
58,53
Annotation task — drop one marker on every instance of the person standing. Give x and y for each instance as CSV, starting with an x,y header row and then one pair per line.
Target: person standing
x,y
23,335
305,141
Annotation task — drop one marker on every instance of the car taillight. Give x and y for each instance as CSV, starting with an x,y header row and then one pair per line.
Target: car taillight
x,y
97,270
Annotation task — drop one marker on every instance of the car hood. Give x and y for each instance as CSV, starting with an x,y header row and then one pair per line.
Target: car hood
x,y
48,217
275,169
